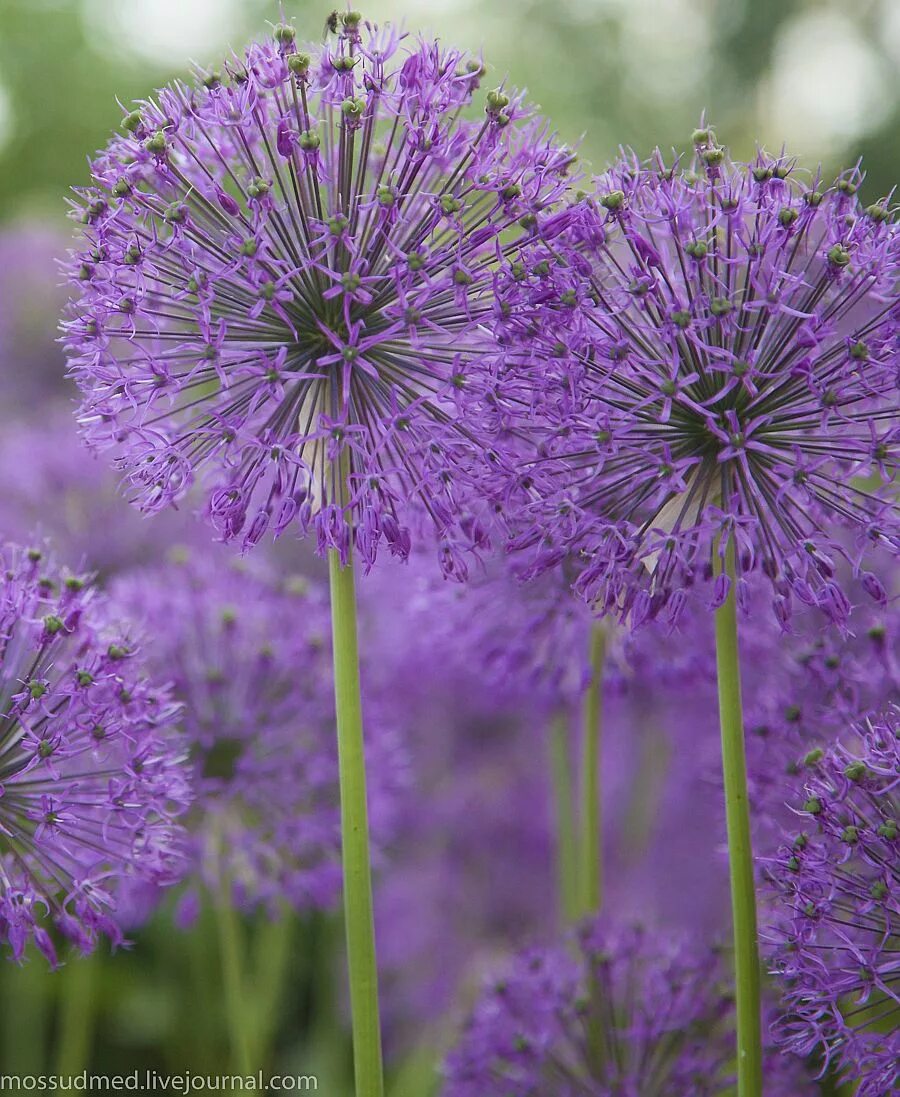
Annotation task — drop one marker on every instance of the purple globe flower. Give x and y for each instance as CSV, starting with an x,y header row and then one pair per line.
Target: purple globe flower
x,y
627,1014
704,354
249,660
92,778
284,276
819,683
837,893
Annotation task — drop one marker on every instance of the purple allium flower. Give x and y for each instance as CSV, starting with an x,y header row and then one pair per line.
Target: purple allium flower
x,y
286,268
704,353
31,361
837,892
92,779
802,692
628,1014
69,495
249,660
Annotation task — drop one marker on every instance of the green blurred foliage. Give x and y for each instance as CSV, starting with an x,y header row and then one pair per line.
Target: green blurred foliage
x,y
637,73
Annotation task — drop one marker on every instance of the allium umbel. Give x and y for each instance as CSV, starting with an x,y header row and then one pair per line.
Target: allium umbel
x,y
628,1015
92,777
284,274
249,660
707,352
837,935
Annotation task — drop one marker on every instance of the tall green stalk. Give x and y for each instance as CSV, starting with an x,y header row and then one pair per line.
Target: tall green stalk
x,y
358,915
77,1012
272,954
231,950
566,828
740,852
591,845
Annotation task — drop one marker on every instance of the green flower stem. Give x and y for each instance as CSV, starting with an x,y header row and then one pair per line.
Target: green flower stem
x,y
26,1006
77,1011
740,852
591,851
272,966
231,955
566,829
358,916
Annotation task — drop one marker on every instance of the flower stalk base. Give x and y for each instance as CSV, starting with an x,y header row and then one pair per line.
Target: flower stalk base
x,y
358,912
740,853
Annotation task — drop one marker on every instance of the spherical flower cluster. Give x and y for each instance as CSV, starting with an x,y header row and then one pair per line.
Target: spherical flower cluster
x,y
704,354
249,660
801,693
283,278
837,891
484,679
92,777
627,1014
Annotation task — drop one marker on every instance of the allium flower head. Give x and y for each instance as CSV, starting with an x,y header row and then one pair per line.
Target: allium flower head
x,y
837,886
628,1015
92,776
706,352
285,269
249,659
802,692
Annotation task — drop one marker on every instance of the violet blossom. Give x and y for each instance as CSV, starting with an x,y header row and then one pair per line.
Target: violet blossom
x,y
703,352
284,275
93,775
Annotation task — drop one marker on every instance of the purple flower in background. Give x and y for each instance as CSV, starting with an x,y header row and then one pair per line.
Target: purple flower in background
x,y
63,491
837,910
92,776
476,677
249,660
33,367
471,868
703,354
626,1014
802,692
284,275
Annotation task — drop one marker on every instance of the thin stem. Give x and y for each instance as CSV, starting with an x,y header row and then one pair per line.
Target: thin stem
x,y
273,953
77,1012
25,1001
358,916
740,852
231,956
566,828
591,852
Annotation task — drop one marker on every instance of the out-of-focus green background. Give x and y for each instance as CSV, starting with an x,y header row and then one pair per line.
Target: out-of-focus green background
x,y
820,75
